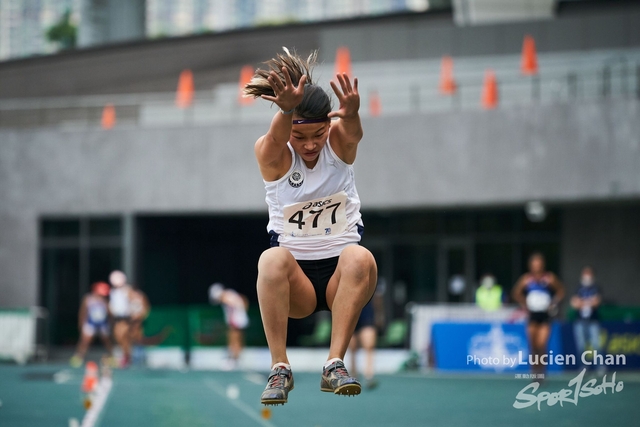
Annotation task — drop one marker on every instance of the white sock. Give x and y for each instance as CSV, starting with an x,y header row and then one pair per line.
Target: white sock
x,y
331,361
281,365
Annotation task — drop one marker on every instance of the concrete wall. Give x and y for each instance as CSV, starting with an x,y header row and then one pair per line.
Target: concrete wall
x,y
155,65
559,154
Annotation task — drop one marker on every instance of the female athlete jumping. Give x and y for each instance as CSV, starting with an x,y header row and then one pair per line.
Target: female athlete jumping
x,y
315,262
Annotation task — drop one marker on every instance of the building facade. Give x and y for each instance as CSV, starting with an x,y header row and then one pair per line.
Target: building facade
x,y
180,204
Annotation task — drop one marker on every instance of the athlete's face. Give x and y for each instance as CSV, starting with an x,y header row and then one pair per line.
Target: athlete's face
x,y
536,265
308,140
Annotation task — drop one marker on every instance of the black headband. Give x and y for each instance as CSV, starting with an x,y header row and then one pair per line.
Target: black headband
x,y
305,121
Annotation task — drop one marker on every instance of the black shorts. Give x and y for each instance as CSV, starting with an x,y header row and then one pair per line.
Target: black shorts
x,y
539,317
319,272
367,317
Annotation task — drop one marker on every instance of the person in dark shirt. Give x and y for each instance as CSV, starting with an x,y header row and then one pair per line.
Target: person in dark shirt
x,y
586,301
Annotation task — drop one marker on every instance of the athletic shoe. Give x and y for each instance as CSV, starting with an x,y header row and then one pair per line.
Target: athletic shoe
x,y
125,362
336,380
230,364
76,361
279,385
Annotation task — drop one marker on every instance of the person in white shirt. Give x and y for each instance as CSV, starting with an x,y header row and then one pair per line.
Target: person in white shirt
x,y
120,307
235,308
315,262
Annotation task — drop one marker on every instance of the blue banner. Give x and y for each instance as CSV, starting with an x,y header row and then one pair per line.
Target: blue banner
x,y
490,347
618,348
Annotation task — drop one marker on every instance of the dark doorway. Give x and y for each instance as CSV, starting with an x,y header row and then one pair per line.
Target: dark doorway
x,y
180,256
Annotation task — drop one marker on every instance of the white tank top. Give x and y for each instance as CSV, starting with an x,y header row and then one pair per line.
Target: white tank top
x,y
119,303
315,213
235,312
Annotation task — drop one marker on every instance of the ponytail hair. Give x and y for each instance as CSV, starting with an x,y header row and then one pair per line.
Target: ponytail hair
x,y
315,103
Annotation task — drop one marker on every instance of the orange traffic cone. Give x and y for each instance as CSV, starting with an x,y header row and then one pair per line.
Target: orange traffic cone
x,y
375,106
490,91
89,384
529,63
246,74
447,82
108,116
343,61
184,94
90,376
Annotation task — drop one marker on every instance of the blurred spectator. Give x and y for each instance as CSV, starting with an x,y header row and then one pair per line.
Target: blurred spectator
x,y
586,301
538,292
457,286
365,335
120,306
93,319
235,308
140,307
489,294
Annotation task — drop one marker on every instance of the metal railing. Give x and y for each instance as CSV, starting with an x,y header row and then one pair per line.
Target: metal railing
x,y
413,88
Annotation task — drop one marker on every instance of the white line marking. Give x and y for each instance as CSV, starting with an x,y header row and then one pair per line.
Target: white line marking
x,y
102,394
246,409
254,377
61,377
625,376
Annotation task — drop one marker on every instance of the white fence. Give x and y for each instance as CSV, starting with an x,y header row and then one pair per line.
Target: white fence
x,y
21,334
423,316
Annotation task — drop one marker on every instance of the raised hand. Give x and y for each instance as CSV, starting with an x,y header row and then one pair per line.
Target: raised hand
x,y
287,96
349,97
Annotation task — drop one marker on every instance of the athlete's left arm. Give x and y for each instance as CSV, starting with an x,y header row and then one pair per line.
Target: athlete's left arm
x,y
346,132
558,287
146,304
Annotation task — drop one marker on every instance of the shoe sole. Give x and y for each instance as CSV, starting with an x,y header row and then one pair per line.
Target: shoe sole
x,y
273,402
276,402
345,390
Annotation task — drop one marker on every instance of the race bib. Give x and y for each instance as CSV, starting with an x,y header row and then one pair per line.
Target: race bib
x,y
97,313
538,301
325,216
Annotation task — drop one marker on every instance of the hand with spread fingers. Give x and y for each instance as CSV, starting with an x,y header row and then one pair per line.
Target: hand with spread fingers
x,y
287,95
349,97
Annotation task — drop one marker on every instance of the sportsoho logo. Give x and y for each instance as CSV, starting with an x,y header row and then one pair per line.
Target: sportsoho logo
x,y
577,390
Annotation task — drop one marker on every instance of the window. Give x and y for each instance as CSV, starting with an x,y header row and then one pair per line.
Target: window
x,y
473,242
60,228
74,253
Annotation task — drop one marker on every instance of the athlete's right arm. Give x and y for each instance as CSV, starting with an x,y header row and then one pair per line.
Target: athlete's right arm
x,y
517,293
82,316
271,149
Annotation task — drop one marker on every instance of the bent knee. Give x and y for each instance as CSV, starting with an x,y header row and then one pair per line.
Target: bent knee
x,y
358,261
278,257
275,261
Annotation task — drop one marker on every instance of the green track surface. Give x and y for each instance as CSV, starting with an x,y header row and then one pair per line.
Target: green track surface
x,y
142,397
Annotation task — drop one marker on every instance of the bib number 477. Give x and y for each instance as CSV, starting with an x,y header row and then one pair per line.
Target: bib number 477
x,y
298,216
324,216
